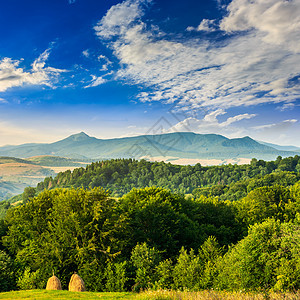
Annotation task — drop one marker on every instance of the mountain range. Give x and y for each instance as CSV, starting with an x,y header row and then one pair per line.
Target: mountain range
x,y
171,146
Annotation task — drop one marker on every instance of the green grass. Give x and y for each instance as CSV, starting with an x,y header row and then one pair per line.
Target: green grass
x,y
63,295
150,295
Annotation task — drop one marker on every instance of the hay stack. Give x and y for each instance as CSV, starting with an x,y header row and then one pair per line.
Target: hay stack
x,y
76,284
53,283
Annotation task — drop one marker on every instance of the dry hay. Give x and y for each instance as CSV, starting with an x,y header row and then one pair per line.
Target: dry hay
x,y
53,283
76,284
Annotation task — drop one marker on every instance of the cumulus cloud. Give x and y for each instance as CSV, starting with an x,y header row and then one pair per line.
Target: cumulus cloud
x,y
278,20
11,75
211,124
247,68
232,127
119,17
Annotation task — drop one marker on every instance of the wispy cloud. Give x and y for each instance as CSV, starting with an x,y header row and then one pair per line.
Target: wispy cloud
x,y
96,81
106,63
254,63
276,126
205,25
11,75
86,53
286,106
277,132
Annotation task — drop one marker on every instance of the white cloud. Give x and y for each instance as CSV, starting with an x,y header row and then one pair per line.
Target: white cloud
x,y
211,124
279,133
119,17
279,20
276,126
11,75
105,62
284,132
244,69
96,81
205,25
286,106
86,53
2,100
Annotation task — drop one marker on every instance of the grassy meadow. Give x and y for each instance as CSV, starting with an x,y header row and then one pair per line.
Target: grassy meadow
x,y
63,295
155,295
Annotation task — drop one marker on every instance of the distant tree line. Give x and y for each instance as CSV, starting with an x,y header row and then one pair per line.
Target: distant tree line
x,y
120,176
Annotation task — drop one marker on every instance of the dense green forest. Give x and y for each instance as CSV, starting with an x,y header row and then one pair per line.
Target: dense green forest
x,y
122,175
238,230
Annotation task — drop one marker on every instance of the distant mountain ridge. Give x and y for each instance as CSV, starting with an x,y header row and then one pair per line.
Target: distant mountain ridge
x,y
178,145
279,147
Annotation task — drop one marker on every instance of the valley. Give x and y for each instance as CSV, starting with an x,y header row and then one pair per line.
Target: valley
x,y
16,173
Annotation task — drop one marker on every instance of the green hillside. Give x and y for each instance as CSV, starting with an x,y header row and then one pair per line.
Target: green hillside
x,y
54,161
7,160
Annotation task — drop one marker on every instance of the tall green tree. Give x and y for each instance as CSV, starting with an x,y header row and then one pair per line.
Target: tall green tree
x,y
267,259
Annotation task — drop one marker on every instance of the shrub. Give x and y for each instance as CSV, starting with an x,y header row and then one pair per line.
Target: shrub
x,y
267,259
115,276
7,278
29,280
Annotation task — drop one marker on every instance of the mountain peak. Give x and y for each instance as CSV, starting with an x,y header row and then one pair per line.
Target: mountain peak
x,y
79,136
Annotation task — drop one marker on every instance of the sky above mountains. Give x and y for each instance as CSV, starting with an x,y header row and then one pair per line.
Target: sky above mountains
x,y
121,68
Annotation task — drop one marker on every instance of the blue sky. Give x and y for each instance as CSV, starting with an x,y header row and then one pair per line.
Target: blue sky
x,y
122,68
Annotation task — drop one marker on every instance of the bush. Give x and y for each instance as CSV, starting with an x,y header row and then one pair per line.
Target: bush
x,y
187,270
115,275
267,259
7,278
164,272
29,280
145,259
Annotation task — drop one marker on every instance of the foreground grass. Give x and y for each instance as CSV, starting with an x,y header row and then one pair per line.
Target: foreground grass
x,y
155,295
63,295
